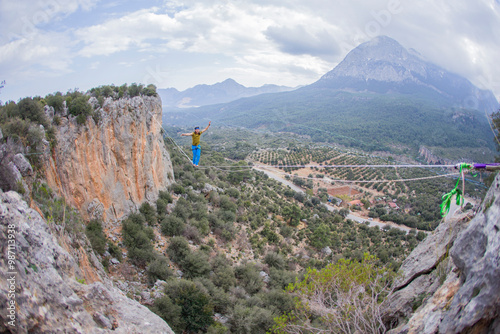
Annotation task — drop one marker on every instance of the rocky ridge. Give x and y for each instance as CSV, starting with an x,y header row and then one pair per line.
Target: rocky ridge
x,y
51,293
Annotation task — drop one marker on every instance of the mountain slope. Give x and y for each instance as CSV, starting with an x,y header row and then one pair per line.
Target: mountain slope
x,y
221,92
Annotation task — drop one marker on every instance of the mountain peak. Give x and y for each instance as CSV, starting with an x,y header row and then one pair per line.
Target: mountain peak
x,y
382,65
377,59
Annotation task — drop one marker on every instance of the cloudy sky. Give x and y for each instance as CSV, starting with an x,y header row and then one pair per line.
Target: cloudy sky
x,y
57,45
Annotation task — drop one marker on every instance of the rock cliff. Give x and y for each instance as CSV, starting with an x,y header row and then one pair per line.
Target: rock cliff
x,y
106,169
450,283
46,285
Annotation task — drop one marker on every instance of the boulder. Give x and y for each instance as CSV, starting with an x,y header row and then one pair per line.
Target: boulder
x,y
22,164
327,251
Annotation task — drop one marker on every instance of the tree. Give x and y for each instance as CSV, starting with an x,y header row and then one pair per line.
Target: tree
x,y
137,239
80,108
196,309
170,312
172,226
149,213
32,110
344,212
159,270
292,214
178,249
250,320
345,297
320,238
196,264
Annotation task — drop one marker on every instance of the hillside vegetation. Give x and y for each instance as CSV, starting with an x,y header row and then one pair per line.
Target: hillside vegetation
x,y
239,244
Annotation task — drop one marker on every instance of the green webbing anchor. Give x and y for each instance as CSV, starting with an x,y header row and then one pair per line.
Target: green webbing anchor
x,y
445,206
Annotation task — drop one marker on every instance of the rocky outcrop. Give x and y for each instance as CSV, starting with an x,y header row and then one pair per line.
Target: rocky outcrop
x,y
476,253
423,271
430,158
450,283
46,286
107,169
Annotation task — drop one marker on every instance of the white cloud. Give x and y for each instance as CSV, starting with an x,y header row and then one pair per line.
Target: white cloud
x,y
285,42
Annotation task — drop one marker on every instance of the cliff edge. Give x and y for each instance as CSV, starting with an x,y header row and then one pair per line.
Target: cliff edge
x,y
107,169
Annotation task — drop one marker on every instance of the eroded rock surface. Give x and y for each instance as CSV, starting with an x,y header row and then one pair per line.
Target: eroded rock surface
x,y
50,293
107,169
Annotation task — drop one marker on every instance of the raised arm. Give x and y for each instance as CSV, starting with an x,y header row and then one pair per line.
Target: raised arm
x,y
205,129
186,134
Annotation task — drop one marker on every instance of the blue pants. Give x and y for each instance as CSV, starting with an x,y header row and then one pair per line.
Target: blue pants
x,y
196,154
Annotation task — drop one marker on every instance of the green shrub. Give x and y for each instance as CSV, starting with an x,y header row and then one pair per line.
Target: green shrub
x,y
275,260
32,110
195,264
150,90
96,236
165,195
220,299
80,108
161,207
278,300
55,101
134,90
178,189
114,250
217,328
170,312
172,226
223,277
137,239
255,320
149,213
248,276
158,270
196,309
183,209
178,249
281,278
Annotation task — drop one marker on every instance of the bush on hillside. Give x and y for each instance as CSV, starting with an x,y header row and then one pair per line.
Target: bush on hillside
x,y
96,236
186,307
80,108
159,269
137,238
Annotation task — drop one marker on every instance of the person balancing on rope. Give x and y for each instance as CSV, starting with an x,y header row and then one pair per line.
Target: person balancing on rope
x,y
196,142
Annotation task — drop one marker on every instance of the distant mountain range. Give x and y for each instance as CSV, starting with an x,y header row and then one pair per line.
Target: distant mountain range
x,y
221,92
380,97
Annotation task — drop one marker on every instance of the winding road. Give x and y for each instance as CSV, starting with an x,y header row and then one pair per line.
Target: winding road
x,y
351,216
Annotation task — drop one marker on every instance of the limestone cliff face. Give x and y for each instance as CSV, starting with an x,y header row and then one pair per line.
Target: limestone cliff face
x,y
450,283
107,169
